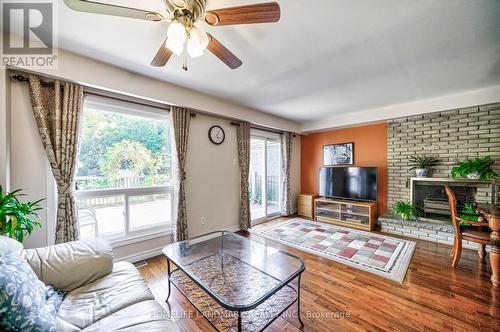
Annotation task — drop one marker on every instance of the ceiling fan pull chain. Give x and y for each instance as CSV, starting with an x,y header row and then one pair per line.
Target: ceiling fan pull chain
x,y
184,59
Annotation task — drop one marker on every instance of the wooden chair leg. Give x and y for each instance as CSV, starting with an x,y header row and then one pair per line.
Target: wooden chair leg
x,y
457,253
481,251
452,251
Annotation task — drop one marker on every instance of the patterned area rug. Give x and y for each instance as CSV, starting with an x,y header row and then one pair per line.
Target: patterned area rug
x,y
382,255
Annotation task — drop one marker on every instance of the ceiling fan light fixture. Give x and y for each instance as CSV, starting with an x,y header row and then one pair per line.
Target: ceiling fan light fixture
x,y
176,37
197,42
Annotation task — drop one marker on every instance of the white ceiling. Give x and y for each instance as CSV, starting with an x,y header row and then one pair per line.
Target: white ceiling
x,y
323,58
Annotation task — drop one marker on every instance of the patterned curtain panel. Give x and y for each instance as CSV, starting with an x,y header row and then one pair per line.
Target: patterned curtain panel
x,y
180,121
243,137
286,156
57,109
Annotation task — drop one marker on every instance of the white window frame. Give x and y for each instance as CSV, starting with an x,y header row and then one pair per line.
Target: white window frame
x,y
149,232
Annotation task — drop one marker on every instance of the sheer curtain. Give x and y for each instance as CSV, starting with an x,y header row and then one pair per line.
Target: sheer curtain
x,y
57,109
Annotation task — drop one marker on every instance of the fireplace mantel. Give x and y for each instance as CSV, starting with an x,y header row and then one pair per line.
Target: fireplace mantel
x,y
452,180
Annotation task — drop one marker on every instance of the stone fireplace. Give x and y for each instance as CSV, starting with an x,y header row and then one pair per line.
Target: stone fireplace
x,y
429,195
450,136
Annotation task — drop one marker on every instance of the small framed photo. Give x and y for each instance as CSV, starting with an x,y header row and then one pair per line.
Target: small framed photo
x,y
338,154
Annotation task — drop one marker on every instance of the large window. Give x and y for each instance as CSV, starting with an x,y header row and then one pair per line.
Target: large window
x,y
124,170
265,175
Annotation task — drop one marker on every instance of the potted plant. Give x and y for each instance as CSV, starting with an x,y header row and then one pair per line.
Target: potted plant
x,y
477,168
469,213
406,210
421,164
18,219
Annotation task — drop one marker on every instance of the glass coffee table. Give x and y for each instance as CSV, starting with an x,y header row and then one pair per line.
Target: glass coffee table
x,y
237,284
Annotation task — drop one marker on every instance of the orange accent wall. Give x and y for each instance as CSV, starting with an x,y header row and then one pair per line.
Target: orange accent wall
x,y
370,149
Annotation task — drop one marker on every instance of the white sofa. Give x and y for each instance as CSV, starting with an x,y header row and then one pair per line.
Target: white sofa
x,y
101,295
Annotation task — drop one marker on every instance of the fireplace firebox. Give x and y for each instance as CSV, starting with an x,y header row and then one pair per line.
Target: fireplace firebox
x,y
429,195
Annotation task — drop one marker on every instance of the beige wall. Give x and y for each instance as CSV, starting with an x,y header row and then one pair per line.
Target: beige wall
x,y
29,167
213,177
4,128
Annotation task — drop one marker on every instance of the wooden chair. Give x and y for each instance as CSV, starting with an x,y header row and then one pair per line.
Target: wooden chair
x,y
475,233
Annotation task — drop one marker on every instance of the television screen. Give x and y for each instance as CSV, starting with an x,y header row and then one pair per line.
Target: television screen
x,y
359,183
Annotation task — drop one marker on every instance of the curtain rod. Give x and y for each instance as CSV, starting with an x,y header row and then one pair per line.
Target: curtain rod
x,y
233,123
140,101
97,92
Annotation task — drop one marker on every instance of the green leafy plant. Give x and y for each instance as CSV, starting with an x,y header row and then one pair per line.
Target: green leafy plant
x,y
423,162
481,166
469,212
406,210
18,219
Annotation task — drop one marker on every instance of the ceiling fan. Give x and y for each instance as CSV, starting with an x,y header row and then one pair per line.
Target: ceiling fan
x,y
183,36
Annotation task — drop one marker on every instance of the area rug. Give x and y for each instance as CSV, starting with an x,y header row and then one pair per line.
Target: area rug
x,y
382,255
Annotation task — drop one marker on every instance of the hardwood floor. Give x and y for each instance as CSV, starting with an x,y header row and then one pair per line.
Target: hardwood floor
x,y
335,297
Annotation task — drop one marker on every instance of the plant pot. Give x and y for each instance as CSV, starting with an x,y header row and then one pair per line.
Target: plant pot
x,y
474,176
404,216
421,172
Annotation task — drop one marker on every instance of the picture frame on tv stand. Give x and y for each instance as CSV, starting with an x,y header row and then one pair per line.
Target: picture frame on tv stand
x,y
338,154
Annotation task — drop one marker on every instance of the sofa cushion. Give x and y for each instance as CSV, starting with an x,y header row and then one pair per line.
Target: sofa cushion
x,y
70,265
90,303
144,316
26,303
7,244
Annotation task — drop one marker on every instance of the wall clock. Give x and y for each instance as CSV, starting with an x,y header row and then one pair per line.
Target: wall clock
x,y
216,135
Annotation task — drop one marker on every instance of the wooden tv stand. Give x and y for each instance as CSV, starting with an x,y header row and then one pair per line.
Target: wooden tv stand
x,y
360,215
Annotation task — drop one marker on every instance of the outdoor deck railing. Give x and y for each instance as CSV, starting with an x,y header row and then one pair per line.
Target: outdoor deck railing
x,y
272,185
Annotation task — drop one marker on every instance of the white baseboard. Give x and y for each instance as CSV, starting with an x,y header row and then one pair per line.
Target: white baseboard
x,y
232,229
158,251
141,256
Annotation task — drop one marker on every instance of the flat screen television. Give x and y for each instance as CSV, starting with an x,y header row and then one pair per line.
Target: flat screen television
x,y
359,183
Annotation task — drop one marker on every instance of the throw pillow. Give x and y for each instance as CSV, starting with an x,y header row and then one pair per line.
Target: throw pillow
x,y
26,303
7,244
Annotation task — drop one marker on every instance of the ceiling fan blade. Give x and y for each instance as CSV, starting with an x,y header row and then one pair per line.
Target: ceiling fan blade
x,y
259,13
89,6
223,53
162,56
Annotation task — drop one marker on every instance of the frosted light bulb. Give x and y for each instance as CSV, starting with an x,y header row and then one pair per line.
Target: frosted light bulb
x,y
177,31
174,46
176,37
197,42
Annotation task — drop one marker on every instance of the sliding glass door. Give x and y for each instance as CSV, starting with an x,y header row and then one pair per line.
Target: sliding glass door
x,y
265,176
